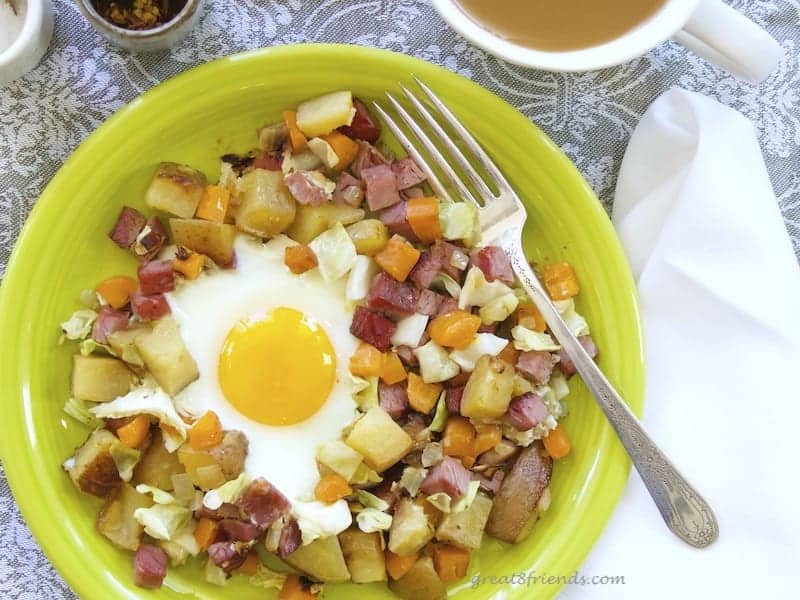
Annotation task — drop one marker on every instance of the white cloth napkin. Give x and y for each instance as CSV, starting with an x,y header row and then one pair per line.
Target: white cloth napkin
x,y
720,291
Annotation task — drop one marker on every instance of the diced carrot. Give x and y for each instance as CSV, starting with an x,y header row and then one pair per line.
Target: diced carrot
x,y
299,258
422,396
206,431
117,290
486,438
509,354
560,281
367,361
398,257
345,148
397,566
214,204
392,369
250,564
557,443
296,587
133,434
459,437
191,266
296,138
529,317
205,533
451,563
455,329
423,217
331,488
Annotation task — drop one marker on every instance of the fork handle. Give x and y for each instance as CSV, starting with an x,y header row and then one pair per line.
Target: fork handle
x,y
683,509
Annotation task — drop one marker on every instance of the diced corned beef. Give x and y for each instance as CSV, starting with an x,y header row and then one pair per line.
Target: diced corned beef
x,y
149,308
388,294
414,425
291,538
387,492
349,190
494,263
108,321
526,411
406,354
393,399
453,399
368,156
536,365
269,162
156,277
448,305
304,190
412,192
226,511
381,186
364,126
491,485
449,476
128,227
566,364
407,172
239,531
429,302
149,566
262,503
445,253
154,238
426,270
225,556
395,220
373,328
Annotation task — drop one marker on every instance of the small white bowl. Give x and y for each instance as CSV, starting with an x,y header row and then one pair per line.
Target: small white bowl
x,y
31,44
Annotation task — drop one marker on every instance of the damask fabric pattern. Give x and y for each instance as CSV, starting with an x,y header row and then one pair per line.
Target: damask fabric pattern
x,y
82,80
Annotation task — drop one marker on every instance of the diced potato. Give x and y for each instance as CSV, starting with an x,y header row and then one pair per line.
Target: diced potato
x,y
380,440
157,466
266,207
310,221
322,560
465,529
420,583
488,391
323,114
364,556
271,137
230,453
92,468
123,339
176,189
116,521
215,240
370,236
411,528
194,460
99,378
166,357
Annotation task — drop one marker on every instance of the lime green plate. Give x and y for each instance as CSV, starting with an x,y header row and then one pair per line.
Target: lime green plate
x,y
196,117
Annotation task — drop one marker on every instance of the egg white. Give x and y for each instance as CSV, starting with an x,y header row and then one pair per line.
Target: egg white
x,y
206,309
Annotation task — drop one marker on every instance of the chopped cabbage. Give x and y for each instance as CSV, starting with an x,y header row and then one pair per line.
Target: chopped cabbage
x,y
526,339
159,495
527,437
576,323
89,345
371,520
432,454
322,182
459,221
361,274
324,152
125,459
443,281
339,458
409,330
412,479
359,383
368,397
182,545
335,252
369,500
267,578
435,364
131,355
227,492
79,325
302,161
479,292
214,574
499,309
484,343
319,520
559,385
163,521
79,410
441,414
445,503
521,385
364,476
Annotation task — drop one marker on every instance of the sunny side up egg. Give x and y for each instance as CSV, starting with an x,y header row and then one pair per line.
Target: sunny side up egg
x,y
272,349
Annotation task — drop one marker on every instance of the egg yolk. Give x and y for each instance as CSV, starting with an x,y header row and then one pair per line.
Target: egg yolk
x,y
277,371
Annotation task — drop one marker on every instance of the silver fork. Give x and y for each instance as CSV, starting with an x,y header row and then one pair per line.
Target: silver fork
x,y
502,217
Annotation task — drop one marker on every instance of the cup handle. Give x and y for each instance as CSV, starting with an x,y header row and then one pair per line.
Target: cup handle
x,y
721,35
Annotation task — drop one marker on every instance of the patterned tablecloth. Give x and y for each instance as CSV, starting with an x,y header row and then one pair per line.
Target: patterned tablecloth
x,y
82,80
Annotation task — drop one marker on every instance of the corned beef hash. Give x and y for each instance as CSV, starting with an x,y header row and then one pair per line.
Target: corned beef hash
x,y
317,361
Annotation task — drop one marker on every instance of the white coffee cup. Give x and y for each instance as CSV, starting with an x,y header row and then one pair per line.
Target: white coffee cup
x,y
710,28
28,48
